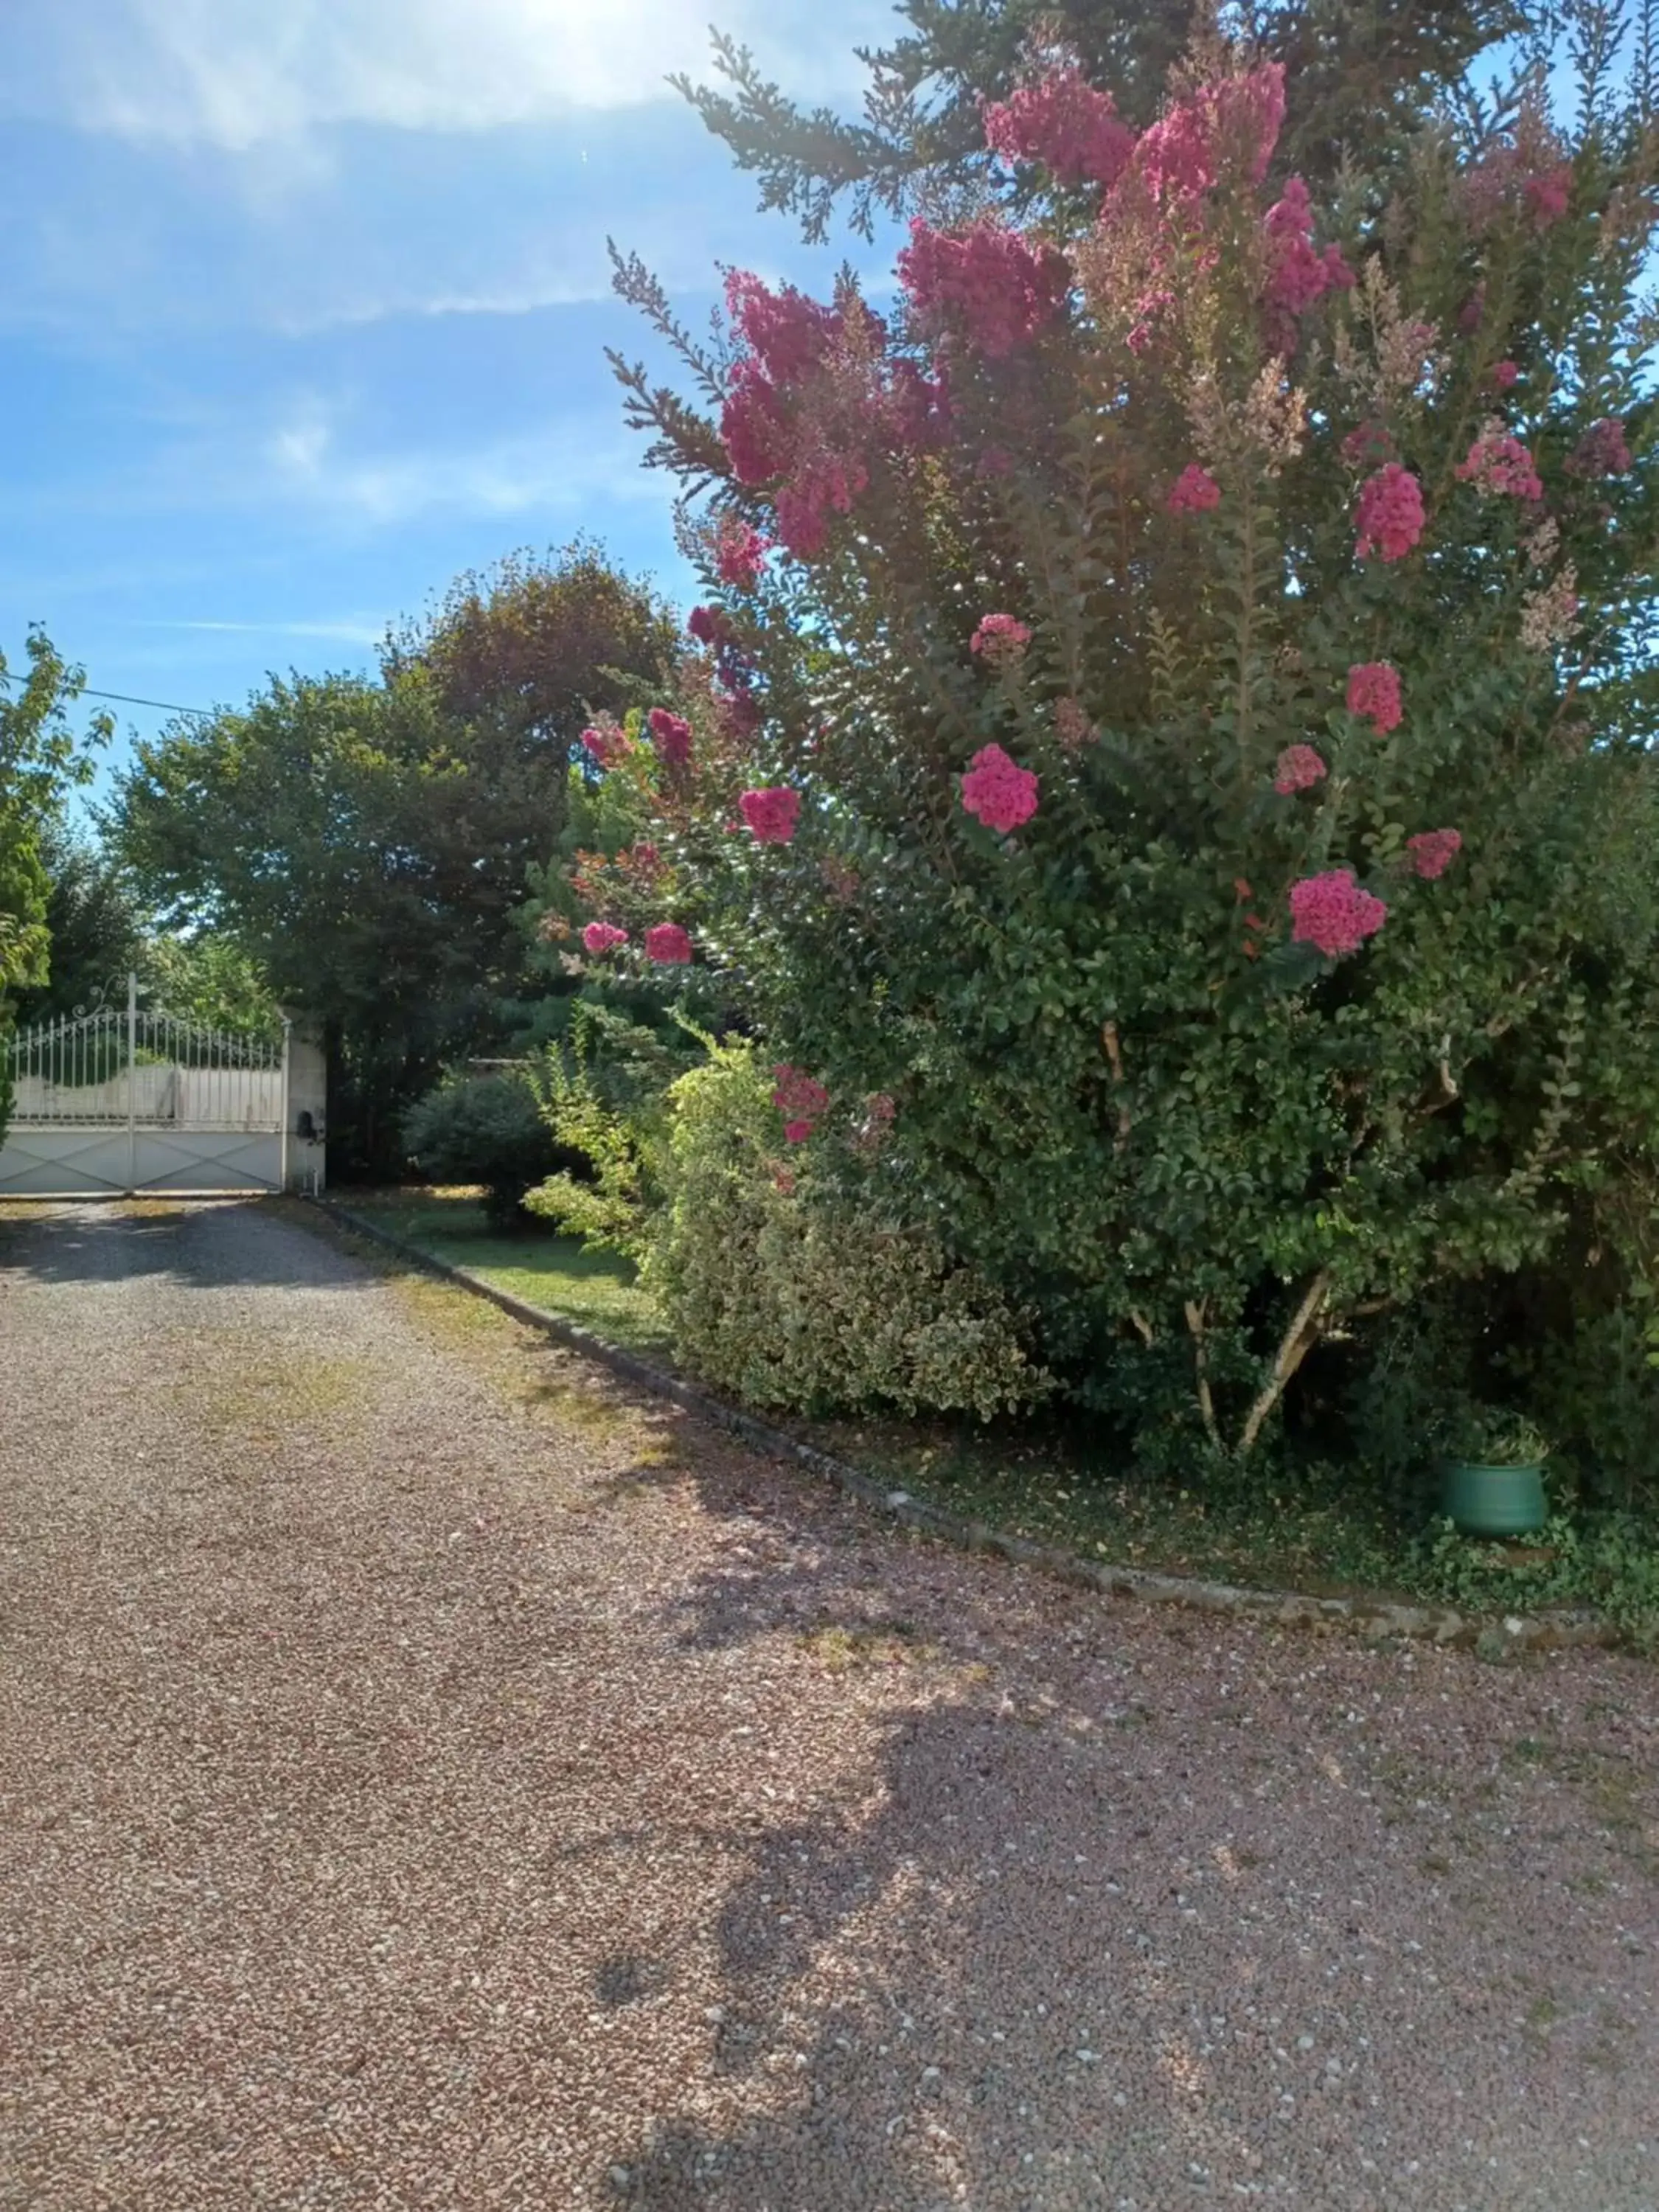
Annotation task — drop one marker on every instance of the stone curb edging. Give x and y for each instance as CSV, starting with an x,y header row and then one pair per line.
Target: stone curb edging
x,y
1374,1618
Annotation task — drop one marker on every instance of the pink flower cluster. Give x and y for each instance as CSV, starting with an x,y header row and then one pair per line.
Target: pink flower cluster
x,y
1433,851
1603,451
739,554
1332,911
711,626
1298,275
1374,691
1547,196
1001,639
671,736
668,944
997,791
800,1099
740,714
1195,491
1234,122
771,814
605,743
1506,374
601,937
1388,517
1064,122
989,281
1510,177
1298,768
1499,463
1368,441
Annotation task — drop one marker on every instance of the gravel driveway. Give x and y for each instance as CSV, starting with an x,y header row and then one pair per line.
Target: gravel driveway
x,y
431,1777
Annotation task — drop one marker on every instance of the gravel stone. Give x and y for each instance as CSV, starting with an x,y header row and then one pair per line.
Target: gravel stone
x,y
433,1776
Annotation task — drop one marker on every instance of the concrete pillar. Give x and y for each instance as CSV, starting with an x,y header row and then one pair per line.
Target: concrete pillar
x,y
307,1105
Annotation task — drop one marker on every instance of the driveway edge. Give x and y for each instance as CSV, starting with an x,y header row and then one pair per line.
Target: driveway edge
x,y
1374,1618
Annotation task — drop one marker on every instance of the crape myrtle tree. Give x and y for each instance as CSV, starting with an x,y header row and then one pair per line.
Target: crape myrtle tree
x,y
1169,764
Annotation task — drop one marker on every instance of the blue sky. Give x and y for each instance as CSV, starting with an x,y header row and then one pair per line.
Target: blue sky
x,y
303,305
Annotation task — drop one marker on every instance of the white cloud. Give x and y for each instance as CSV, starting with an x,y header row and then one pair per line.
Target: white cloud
x,y
242,74
358,632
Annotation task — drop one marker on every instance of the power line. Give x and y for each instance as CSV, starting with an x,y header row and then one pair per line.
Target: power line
x,y
125,699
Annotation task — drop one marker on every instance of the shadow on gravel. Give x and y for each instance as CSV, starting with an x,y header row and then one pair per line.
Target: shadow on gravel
x,y
1172,1915
203,1243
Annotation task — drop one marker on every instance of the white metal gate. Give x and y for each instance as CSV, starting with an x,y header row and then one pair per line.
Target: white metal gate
x,y
138,1100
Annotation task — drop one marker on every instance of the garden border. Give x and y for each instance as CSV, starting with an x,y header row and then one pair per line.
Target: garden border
x,y
1376,1618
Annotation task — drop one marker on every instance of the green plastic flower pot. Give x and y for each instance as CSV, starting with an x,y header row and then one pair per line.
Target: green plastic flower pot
x,y
1494,1501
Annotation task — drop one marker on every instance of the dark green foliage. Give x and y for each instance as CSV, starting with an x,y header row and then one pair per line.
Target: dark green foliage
x,y
485,1129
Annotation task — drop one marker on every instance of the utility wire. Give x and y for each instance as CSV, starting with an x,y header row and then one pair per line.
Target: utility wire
x,y
125,699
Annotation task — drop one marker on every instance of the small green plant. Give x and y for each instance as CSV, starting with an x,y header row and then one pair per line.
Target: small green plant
x,y
1493,1436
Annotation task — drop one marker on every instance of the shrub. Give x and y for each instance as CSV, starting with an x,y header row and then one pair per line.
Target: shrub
x,y
483,1129
1219,706
786,1293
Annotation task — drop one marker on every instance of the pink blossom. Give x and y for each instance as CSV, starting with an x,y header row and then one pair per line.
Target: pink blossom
x,y
671,735
820,487
1433,851
771,813
1194,491
710,626
668,944
603,936
1072,724
740,714
1546,195
997,791
1001,639
739,554
1332,911
1299,275
799,1098
605,743
1470,313
1001,289
1065,124
756,426
1505,375
1497,463
1374,691
1297,769
1234,120
1601,451
786,332
1388,517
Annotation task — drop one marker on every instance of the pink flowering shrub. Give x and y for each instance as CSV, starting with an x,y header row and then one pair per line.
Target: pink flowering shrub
x,y
1063,122
997,791
602,937
772,814
1217,1055
668,944
1388,519
1299,768
671,736
1001,639
1374,692
989,282
739,554
604,743
1499,463
1195,491
1433,851
1332,911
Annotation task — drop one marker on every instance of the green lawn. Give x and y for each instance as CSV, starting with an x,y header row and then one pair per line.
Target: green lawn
x,y
596,1290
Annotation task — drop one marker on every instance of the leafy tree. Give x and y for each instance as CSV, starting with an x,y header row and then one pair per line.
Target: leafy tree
x,y
366,844
41,759
94,925
1179,789
1356,71
207,978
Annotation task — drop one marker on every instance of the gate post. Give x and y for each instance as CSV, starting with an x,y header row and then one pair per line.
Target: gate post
x,y
288,1043
133,1084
